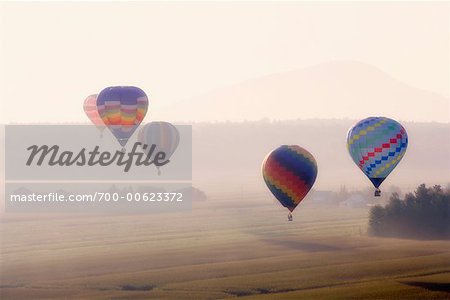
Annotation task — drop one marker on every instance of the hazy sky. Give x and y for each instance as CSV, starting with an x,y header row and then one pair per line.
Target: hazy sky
x,y
53,55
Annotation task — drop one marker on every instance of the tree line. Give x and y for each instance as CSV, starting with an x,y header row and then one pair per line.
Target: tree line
x,y
423,214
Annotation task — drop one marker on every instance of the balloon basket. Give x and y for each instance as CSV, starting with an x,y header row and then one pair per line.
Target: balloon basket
x,y
377,193
290,218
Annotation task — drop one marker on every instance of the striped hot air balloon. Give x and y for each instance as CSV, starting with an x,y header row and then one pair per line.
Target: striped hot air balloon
x,y
122,109
90,108
163,135
376,145
289,172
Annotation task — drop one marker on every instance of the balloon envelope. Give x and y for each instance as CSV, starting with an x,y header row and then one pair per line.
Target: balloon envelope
x,y
163,134
122,109
90,108
289,172
376,145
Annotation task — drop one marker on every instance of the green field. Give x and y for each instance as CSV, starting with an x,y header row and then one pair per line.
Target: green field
x,y
222,249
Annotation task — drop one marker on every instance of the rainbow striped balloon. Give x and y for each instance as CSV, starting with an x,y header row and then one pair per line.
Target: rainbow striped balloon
x,y
376,145
122,109
289,172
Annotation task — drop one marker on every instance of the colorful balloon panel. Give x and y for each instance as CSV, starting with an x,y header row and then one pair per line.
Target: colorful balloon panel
x,y
376,145
289,173
163,134
122,109
90,108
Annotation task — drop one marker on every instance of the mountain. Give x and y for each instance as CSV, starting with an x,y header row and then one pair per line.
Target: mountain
x,y
339,89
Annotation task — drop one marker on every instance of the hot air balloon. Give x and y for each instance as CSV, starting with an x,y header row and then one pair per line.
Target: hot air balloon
x,y
90,108
122,109
376,145
289,172
163,135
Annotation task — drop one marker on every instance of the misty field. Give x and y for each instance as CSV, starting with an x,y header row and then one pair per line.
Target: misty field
x,y
224,248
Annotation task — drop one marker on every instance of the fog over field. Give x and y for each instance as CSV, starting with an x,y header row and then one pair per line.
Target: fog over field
x,y
228,154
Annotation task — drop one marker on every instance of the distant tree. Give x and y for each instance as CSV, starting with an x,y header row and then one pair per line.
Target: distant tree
x,y
376,220
422,214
